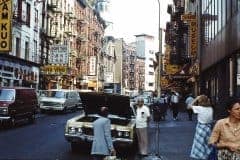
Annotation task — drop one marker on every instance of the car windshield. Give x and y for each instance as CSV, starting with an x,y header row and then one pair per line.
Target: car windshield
x,y
53,94
7,94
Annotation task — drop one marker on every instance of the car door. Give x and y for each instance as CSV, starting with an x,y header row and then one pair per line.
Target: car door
x,y
69,100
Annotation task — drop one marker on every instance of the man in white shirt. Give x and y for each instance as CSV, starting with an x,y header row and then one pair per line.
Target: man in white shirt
x,y
142,120
175,104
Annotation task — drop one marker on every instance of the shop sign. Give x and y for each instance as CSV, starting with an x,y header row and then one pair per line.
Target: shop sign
x,y
164,82
172,69
108,77
188,17
193,38
192,21
92,78
58,54
5,25
92,66
54,70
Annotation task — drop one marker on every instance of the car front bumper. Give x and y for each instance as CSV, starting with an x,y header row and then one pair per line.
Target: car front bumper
x,y
117,142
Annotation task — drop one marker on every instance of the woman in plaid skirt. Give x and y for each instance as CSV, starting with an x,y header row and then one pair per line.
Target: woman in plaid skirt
x,y
202,107
226,133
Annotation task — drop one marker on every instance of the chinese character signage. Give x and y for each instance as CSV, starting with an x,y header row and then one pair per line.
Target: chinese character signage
x,y
54,70
193,38
92,66
58,54
192,21
5,25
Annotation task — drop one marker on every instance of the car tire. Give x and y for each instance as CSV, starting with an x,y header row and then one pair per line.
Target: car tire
x,y
31,118
64,111
13,122
74,147
42,111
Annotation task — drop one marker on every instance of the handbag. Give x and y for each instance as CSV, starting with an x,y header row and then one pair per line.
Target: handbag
x,y
111,158
213,154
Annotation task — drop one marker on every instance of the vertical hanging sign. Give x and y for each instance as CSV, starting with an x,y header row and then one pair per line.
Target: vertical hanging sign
x,y
193,35
5,25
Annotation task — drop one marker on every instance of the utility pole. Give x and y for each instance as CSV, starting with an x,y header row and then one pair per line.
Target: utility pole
x,y
159,52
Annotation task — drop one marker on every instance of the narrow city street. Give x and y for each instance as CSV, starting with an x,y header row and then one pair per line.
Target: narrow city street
x,y
45,139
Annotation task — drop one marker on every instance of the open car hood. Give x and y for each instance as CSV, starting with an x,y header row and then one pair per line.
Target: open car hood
x,y
117,104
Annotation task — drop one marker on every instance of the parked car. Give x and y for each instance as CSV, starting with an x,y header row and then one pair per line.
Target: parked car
x,y
79,130
17,103
59,100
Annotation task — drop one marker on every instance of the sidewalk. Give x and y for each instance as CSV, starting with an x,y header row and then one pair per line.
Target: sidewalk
x,y
175,139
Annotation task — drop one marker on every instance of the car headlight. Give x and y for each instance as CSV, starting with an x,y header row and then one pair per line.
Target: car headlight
x,y
79,130
126,134
71,130
4,110
119,134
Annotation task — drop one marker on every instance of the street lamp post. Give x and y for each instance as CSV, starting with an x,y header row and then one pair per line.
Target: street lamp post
x,y
159,52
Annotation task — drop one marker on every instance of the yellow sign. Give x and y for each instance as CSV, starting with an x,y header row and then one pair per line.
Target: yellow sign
x,y
58,70
193,38
192,21
172,69
188,17
5,25
164,82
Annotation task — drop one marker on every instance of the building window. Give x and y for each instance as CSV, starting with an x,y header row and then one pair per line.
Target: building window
x,y
35,52
219,15
238,77
229,10
28,15
27,50
150,84
224,14
18,47
151,73
36,20
238,2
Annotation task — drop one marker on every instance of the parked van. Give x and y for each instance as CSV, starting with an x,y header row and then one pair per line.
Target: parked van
x,y
59,100
18,103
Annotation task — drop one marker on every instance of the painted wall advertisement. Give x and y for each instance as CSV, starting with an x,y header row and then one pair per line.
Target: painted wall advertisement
x,y
58,54
5,25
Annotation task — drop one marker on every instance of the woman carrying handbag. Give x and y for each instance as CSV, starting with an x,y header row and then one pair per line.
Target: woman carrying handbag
x,y
226,133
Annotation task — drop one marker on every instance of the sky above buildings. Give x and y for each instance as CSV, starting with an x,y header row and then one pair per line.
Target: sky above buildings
x,y
132,17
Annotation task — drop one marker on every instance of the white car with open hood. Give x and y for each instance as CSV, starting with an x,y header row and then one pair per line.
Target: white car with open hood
x,y
79,130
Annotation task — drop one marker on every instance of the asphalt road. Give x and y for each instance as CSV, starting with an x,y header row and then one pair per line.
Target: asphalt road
x,y
45,140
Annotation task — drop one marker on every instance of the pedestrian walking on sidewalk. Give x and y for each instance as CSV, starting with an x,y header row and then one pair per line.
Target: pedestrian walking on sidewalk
x,y
102,145
188,101
142,121
175,104
226,133
202,107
